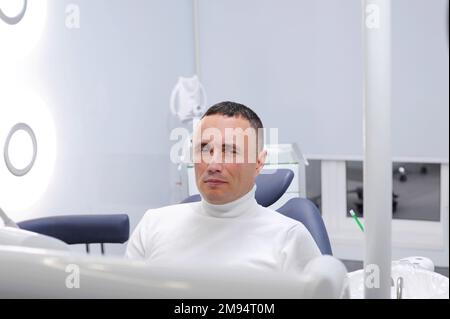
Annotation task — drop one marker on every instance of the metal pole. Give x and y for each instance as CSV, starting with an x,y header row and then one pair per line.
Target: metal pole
x,y
195,7
377,148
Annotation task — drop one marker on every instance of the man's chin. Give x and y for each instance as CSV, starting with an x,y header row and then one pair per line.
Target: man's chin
x,y
215,196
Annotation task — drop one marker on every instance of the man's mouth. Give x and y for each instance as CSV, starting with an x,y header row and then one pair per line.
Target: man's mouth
x,y
214,182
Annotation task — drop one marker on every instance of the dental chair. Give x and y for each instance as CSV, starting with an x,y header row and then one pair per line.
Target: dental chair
x,y
270,188
56,271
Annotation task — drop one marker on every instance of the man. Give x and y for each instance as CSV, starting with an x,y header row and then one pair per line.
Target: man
x,y
228,227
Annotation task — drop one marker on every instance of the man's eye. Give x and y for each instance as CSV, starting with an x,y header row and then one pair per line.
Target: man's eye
x,y
206,148
230,149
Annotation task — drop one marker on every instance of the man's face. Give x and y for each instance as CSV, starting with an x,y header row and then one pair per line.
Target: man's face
x,y
226,158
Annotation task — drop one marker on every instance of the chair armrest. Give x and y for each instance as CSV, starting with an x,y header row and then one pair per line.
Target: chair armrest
x,y
82,229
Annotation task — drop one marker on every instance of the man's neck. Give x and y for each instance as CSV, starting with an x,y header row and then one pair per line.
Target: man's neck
x,y
231,209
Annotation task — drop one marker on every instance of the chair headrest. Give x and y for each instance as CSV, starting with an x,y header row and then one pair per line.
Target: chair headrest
x,y
272,185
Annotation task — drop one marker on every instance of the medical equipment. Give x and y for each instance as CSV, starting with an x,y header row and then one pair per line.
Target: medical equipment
x,y
188,102
72,275
420,262
408,281
188,99
287,156
377,142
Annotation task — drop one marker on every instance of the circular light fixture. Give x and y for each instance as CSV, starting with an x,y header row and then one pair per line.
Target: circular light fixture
x,y
11,167
21,25
28,143
16,18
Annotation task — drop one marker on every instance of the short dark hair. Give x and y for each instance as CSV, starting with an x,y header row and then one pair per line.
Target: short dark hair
x,y
231,109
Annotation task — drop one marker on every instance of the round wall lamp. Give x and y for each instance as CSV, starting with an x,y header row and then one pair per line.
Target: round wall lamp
x,y
9,164
22,23
27,147
16,18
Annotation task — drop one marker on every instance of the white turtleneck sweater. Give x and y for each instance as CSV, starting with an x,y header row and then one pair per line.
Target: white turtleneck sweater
x,y
241,233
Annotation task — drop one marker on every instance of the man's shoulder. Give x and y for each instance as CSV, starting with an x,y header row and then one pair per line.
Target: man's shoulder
x,y
279,218
169,210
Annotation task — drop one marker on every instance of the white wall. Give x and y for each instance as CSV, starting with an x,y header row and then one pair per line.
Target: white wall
x,y
299,65
420,71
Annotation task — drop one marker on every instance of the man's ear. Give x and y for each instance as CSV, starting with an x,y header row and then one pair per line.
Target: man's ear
x,y
261,161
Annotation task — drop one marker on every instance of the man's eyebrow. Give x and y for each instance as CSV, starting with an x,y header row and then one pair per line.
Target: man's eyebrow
x,y
201,144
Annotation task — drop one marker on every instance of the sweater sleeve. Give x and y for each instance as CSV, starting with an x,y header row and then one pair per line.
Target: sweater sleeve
x,y
299,248
137,244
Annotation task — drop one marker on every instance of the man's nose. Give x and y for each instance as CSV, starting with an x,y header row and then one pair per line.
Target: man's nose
x,y
215,162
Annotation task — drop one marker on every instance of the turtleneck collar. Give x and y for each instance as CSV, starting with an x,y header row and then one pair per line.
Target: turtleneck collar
x,y
232,209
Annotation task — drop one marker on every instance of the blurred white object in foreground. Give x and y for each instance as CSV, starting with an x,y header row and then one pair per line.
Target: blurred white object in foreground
x,y
42,273
10,236
417,282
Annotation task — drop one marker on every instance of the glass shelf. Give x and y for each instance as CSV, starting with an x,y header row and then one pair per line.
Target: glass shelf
x,y
282,154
